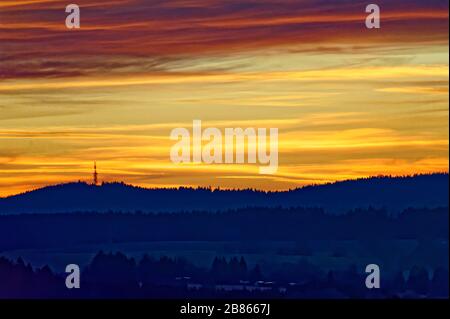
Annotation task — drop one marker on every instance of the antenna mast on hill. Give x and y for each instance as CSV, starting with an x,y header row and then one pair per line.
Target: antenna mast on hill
x,y
95,174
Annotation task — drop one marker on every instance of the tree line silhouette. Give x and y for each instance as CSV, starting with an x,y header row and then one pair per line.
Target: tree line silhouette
x,y
393,193
114,275
247,224
247,217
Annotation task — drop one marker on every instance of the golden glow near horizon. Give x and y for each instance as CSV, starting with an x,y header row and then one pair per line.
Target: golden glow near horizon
x,y
359,104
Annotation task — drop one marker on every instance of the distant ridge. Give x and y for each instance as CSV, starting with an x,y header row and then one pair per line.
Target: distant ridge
x,y
392,193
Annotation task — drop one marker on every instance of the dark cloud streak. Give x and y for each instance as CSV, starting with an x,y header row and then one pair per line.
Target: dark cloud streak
x,y
142,36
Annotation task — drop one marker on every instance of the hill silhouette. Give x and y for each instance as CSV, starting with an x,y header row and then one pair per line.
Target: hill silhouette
x,y
392,193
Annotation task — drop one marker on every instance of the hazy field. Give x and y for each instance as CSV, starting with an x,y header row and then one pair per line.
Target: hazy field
x,y
271,256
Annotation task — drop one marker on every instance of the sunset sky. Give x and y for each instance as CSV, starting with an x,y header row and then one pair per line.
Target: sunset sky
x,y
348,101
